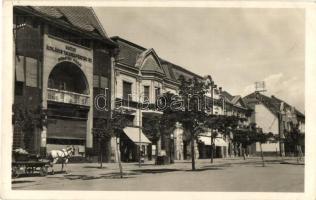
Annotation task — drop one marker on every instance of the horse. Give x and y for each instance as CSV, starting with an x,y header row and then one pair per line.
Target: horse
x,y
61,155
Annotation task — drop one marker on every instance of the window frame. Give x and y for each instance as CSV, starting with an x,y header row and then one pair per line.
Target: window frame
x,y
129,96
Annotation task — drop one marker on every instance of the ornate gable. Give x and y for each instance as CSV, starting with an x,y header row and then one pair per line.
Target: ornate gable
x,y
148,62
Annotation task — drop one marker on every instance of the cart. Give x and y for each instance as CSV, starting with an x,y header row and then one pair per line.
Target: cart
x,y
28,164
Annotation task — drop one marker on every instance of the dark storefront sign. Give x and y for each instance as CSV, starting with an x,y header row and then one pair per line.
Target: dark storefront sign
x,y
66,128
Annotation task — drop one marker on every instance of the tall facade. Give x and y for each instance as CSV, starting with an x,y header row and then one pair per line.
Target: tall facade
x,y
63,59
141,76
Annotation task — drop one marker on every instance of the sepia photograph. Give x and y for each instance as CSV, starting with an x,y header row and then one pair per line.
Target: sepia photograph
x,y
180,99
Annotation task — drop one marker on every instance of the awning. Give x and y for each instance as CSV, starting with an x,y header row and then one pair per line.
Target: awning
x,y
133,134
205,140
220,142
208,141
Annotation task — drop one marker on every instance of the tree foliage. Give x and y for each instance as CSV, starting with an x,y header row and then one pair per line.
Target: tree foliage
x,y
151,127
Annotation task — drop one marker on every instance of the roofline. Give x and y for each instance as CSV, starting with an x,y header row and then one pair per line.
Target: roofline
x,y
68,27
299,112
160,59
272,96
182,68
128,42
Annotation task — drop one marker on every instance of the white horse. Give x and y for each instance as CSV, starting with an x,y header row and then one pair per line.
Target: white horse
x,y
61,155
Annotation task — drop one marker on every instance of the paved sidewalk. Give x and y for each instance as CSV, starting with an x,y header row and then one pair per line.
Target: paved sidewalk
x,y
231,174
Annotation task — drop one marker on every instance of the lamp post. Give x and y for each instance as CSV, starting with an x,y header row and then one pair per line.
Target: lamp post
x,y
140,125
171,147
213,86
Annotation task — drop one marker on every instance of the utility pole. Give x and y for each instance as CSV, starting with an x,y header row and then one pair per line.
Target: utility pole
x,y
139,122
213,86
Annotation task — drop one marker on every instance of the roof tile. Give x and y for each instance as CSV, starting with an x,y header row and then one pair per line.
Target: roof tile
x,y
80,17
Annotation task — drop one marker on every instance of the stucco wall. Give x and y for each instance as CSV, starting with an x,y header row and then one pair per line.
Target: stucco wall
x,y
266,120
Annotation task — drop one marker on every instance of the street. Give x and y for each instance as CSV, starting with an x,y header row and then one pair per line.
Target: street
x,y
230,174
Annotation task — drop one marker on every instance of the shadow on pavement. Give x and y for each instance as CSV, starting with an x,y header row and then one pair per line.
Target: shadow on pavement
x,y
102,176
292,163
204,169
25,181
36,174
146,164
94,167
155,171
219,165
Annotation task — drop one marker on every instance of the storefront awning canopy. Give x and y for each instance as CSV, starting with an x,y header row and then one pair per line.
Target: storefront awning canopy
x,y
133,134
205,140
208,141
220,142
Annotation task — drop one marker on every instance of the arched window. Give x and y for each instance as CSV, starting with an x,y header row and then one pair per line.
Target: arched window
x,y
68,77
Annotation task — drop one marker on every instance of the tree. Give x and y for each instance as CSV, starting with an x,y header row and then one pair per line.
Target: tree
x,y
243,137
102,134
118,122
295,138
27,119
151,128
221,124
214,122
262,138
192,114
169,118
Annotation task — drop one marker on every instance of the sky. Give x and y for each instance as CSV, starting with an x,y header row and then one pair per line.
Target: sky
x,y
236,46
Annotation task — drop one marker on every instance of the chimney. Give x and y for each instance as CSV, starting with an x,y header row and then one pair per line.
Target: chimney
x,y
220,90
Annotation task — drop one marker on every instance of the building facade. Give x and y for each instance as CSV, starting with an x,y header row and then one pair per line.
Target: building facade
x,y
69,74
63,59
141,76
276,116
227,105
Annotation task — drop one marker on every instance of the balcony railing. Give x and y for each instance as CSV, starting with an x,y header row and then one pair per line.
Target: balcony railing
x,y
67,97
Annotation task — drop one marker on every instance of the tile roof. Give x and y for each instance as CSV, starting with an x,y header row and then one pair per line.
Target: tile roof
x,y
227,95
234,99
130,52
267,101
168,71
287,105
272,103
180,71
83,18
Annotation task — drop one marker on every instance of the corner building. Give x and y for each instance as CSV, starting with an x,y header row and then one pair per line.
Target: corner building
x,y
63,59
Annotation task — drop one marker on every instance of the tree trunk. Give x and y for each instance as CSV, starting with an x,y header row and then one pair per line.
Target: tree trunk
x,y
119,157
212,149
299,153
262,158
156,152
243,149
192,153
101,154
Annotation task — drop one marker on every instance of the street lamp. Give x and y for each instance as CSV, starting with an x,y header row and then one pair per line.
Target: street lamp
x,y
171,147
